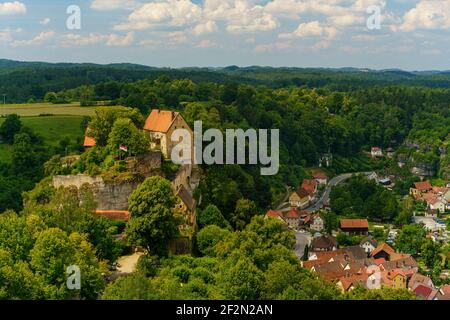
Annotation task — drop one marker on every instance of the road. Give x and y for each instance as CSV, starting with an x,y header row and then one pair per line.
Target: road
x,y
326,193
325,198
302,239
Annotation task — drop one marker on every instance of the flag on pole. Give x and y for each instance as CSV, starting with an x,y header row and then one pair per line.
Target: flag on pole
x,y
123,148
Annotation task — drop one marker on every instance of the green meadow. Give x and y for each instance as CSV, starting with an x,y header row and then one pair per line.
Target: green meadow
x,y
50,121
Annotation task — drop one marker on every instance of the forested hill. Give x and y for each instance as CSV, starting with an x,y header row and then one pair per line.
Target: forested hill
x,y
22,81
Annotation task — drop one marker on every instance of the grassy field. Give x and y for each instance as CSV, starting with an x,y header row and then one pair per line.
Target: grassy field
x,y
51,121
36,109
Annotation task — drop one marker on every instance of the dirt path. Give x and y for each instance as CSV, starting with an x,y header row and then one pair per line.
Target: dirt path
x,y
128,263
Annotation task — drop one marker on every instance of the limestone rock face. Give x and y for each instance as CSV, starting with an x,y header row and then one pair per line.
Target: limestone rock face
x,y
109,196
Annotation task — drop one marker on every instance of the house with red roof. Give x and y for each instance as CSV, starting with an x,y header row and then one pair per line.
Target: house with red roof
x,y
274,214
320,177
299,199
89,142
444,293
376,152
116,215
160,125
383,251
420,188
310,186
292,218
425,292
354,226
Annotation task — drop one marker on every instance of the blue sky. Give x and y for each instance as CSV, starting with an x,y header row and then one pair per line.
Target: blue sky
x,y
412,35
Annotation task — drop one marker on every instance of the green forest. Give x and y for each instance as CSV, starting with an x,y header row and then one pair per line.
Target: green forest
x,y
237,254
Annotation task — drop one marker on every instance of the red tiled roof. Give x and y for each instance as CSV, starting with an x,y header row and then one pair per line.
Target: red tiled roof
x,y
309,185
382,247
380,261
422,290
354,223
273,214
160,120
89,142
424,185
375,149
293,214
318,174
114,214
302,193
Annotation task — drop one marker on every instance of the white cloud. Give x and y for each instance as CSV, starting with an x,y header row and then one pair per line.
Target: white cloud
x,y
311,29
321,45
39,39
267,47
106,5
9,8
429,14
205,27
175,13
45,21
206,44
110,40
5,35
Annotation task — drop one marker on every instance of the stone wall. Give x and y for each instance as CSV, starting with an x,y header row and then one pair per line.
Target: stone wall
x,y
109,196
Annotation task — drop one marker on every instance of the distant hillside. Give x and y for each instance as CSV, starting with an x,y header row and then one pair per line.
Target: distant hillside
x,y
22,81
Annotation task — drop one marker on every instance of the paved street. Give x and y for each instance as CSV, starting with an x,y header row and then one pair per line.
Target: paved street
x,y
302,239
326,193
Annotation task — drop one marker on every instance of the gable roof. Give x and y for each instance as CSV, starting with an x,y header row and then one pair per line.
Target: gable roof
x,y
160,120
354,223
383,247
292,214
319,174
423,185
89,142
309,185
356,252
121,215
419,278
353,280
302,193
424,291
323,242
274,214
369,239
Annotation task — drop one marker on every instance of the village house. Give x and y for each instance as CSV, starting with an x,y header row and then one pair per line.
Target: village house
x,y
89,142
310,186
320,177
316,223
299,199
354,226
419,278
292,218
382,251
160,125
324,243
115,215
368,244
444,293
425,292
436,198
420,188
274,214
376,152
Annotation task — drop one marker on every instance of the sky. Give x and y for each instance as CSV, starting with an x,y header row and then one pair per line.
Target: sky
x,y
376,34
